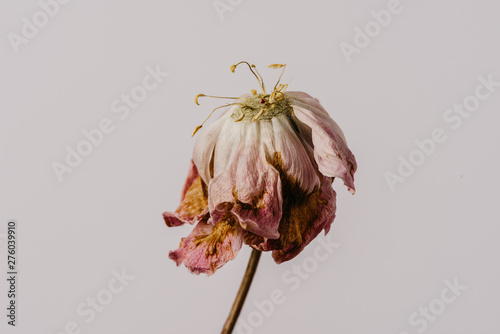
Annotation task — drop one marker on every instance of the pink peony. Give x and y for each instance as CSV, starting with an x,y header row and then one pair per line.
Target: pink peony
x,y
261,175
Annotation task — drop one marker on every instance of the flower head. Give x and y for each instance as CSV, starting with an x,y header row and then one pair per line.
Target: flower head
x,y
261,175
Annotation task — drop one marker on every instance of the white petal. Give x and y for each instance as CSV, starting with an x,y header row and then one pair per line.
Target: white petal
x,y
331,153
307,101
205,144
297,156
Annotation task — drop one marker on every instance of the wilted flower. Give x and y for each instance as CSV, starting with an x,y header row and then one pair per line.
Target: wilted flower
x,y
261,175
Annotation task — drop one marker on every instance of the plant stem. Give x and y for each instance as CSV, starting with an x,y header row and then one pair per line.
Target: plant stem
x,y
242,293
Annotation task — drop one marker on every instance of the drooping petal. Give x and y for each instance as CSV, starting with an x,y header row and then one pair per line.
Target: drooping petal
x,y
297,157
313,102
193,201
209,247
205,143
191,177
303,220
304,216
331,153
244,182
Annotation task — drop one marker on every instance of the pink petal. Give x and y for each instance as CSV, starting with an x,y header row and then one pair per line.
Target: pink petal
x,y
193,201
245,183
317,212
331,153
192,175
308,99
209,247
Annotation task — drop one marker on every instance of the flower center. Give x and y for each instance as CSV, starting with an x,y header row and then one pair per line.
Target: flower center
x,y
262,107
257,106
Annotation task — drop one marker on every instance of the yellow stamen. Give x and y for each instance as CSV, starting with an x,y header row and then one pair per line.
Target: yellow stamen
x,y
200,126
216,97
261,79
256,117
271,97
241,117
278,66
196,98
268,101
196,130
251,67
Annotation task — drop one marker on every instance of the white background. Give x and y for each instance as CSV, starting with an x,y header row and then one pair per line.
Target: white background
x,y
396,247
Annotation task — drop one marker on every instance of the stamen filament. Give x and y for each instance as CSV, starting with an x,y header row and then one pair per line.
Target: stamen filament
x,y
200,126
251,67
217,97
283,71
239,119
267,102
256,117
261,80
